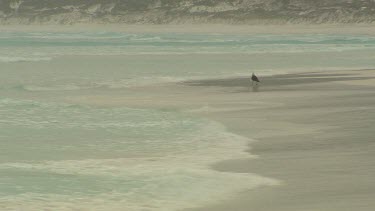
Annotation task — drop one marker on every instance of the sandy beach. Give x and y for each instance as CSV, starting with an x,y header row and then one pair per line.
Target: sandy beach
x,y
318,141
309,124
313,132
148,105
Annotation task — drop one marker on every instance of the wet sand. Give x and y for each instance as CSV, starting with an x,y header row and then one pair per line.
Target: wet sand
x,y
314,132
319,141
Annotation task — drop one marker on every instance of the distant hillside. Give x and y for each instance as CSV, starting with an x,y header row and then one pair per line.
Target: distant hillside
x,y
186,11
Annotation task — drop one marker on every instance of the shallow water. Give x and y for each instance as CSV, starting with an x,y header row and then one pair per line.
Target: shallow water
x,y
62,156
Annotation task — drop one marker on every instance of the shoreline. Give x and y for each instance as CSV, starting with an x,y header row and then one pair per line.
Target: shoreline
x,y
314,134
313,131
358,29
317,161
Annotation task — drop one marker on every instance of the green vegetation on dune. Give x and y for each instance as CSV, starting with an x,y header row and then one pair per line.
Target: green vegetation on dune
x,y
186,11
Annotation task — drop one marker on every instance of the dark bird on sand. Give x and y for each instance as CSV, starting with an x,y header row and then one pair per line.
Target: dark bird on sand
x,y
254,78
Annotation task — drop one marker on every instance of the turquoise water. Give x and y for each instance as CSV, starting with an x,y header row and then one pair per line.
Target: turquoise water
x,y
62,156
57,155
77,60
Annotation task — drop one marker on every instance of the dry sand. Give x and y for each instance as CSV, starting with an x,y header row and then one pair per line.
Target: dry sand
x,y
315,134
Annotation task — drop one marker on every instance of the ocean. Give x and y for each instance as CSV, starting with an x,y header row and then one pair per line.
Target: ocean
x,y
57,155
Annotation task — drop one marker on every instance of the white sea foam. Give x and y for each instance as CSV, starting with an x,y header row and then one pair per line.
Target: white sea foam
x,y
139,82
68,87
107,43
63,157
234,107
103,84
165,170
154,183
168,193
23,59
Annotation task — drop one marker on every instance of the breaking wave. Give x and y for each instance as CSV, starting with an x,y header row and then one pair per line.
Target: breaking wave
x,y
111,43
114,158
23,59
